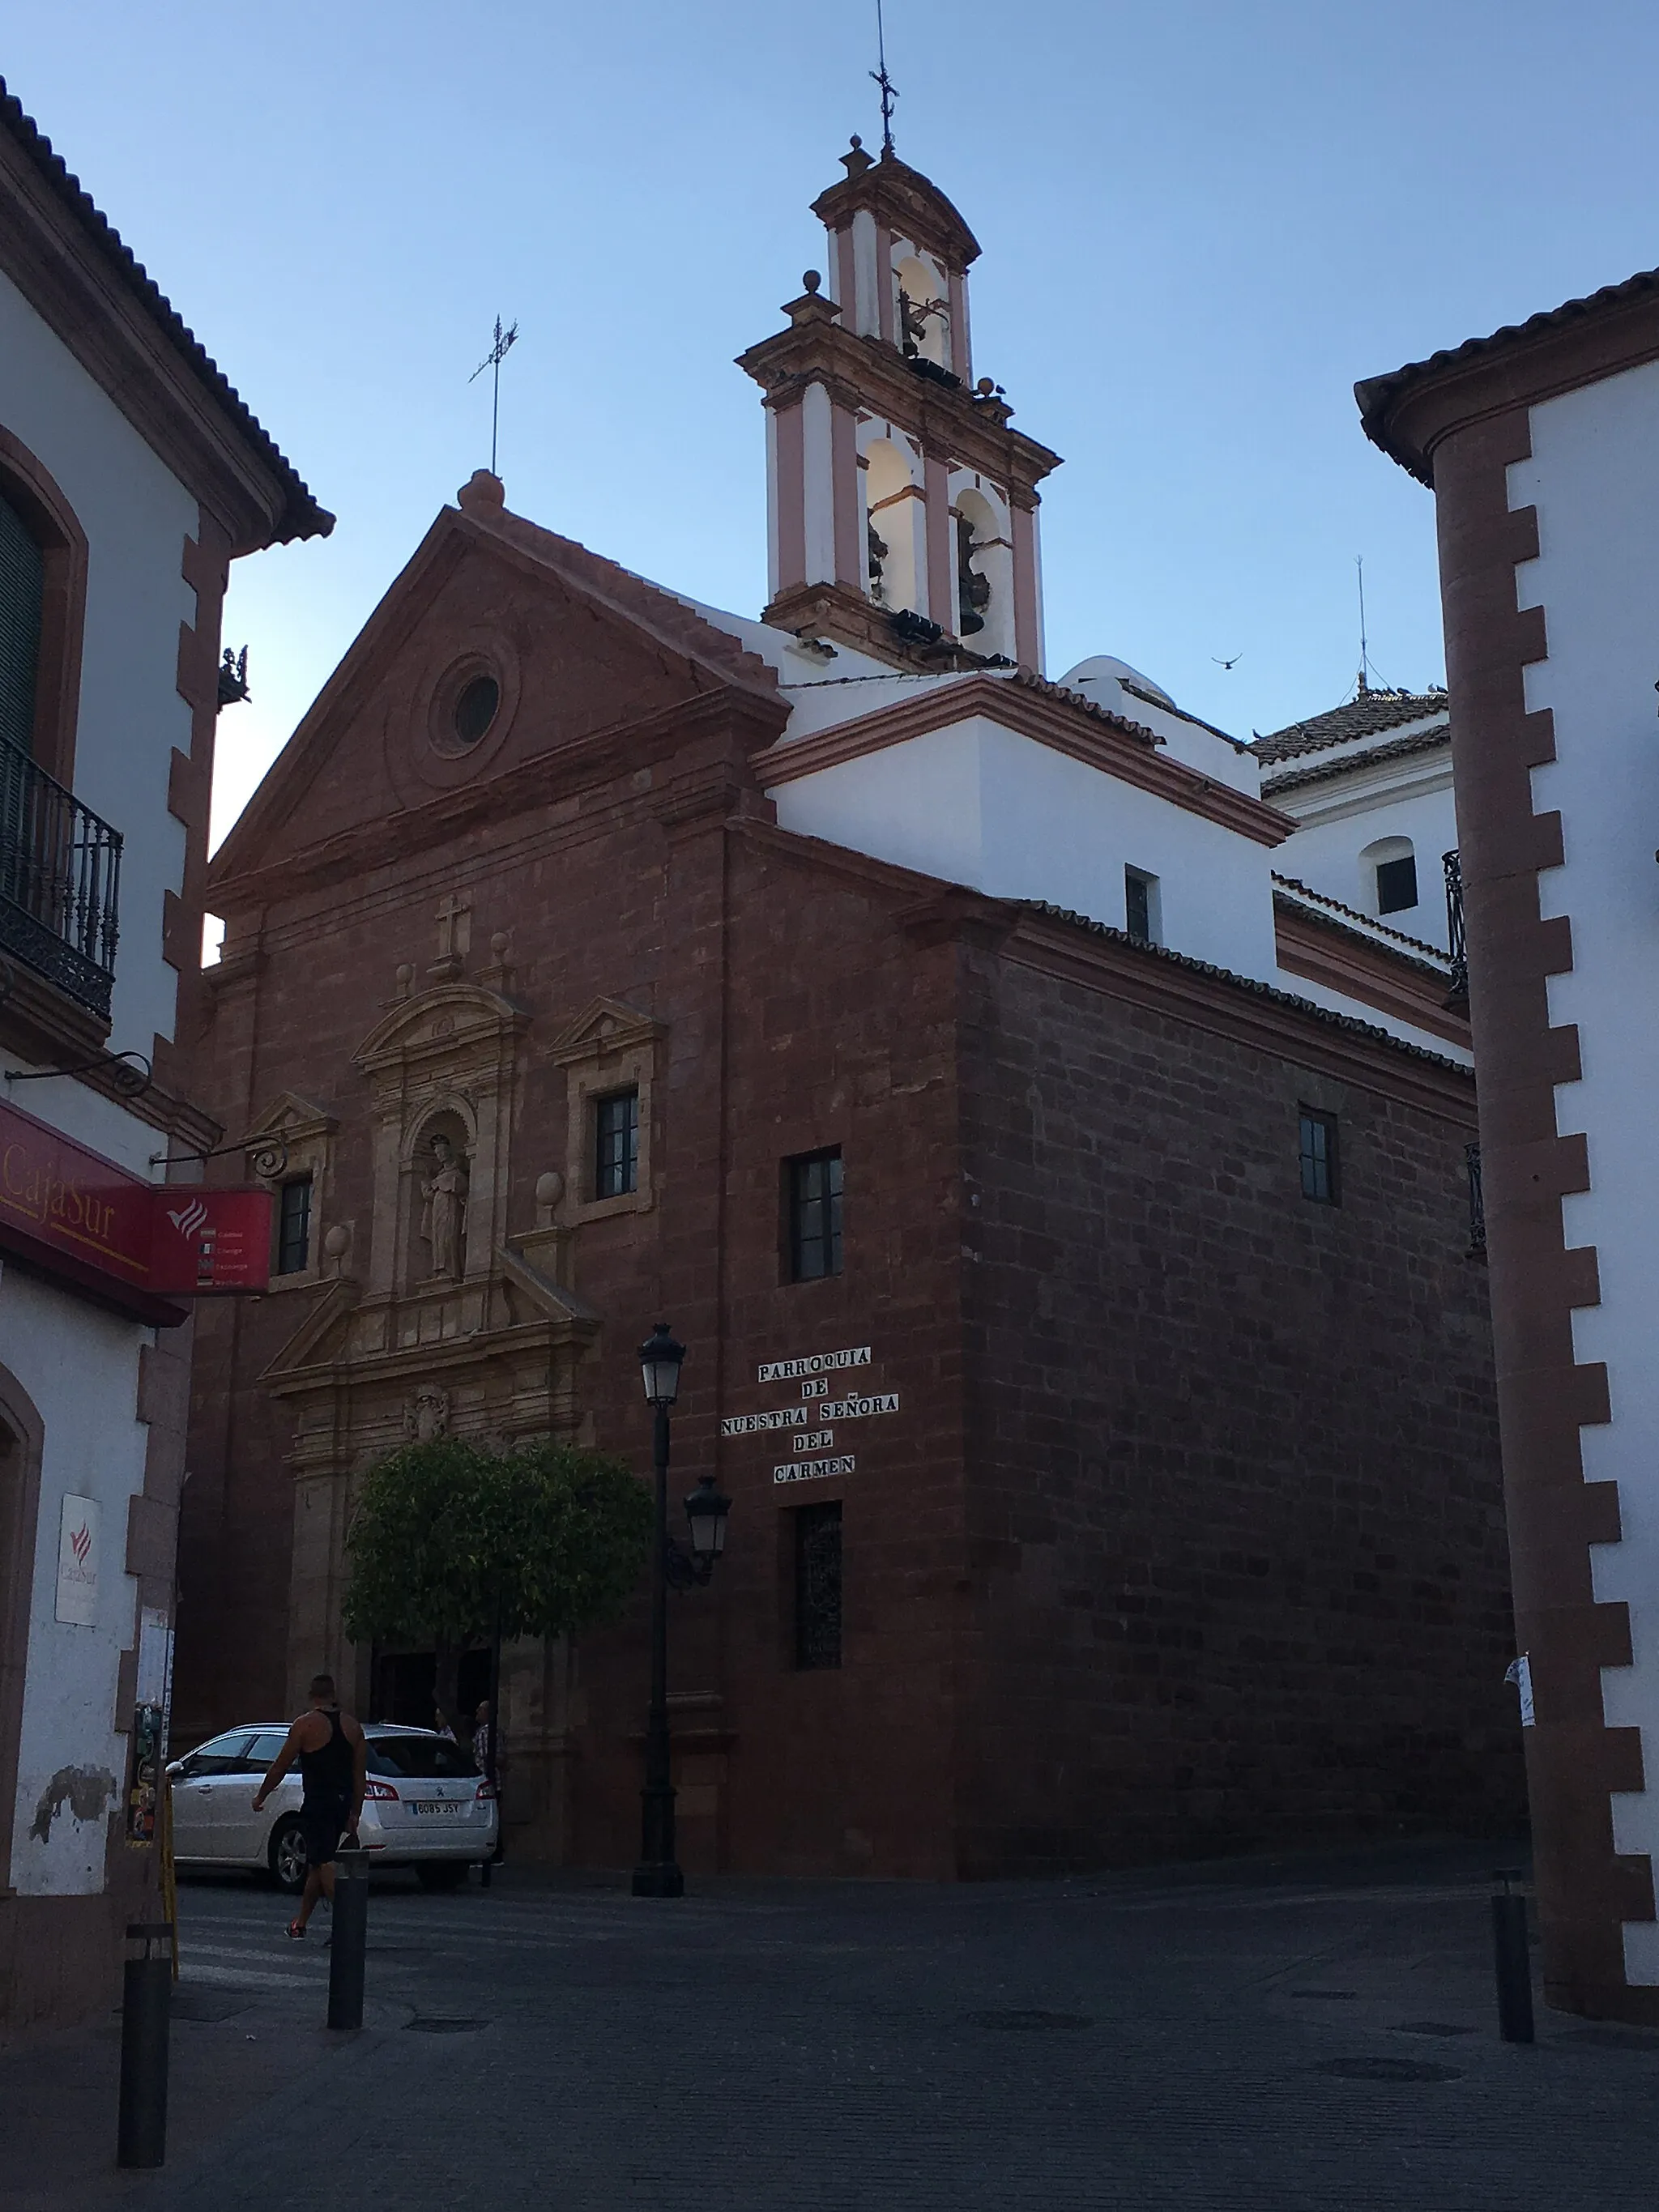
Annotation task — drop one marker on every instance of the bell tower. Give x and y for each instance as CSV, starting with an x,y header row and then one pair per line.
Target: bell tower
x,y
901,509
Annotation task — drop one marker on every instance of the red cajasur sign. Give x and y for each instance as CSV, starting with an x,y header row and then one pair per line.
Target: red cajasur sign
x,y
132,1243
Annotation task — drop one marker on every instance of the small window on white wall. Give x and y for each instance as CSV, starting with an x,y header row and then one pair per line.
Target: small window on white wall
x,y
1389,870
1141,917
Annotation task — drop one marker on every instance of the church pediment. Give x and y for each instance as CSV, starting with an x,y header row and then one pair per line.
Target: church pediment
x,y
499,644
604,1026
291,1116
439,1025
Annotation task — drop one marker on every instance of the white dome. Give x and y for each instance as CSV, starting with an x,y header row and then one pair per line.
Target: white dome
x,y
1102,677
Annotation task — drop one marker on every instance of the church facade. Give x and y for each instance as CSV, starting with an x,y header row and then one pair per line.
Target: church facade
x,y
1068,1220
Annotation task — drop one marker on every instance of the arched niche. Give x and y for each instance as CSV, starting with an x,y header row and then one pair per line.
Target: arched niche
x,y
921,309
984,575
895,532
441,1146
1388,878
443,1061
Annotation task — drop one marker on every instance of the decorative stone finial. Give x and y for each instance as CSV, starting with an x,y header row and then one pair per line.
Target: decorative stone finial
x,y
482,492
810,281
857,161
985,387
550,1190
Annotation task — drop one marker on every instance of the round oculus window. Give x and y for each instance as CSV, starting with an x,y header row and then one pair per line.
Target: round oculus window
x,y
475,709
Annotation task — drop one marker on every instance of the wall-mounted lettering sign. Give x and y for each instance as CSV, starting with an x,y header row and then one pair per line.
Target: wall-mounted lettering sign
x,y
811,1437
783,1417
135,1244
816,1363
808,1470
856,1409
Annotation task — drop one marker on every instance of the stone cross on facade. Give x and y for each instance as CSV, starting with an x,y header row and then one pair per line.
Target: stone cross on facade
x,y
454,933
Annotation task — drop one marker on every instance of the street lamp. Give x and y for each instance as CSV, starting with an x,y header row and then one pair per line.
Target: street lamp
x,y
657,1873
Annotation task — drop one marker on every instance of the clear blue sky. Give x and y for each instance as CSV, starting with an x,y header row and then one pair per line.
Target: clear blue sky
x,y
1201,222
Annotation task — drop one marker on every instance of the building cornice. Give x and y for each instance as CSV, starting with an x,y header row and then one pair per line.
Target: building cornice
x,y
902,199
1411,412
948,420
1327,950
1087,734
932,911
1241,1009
78,276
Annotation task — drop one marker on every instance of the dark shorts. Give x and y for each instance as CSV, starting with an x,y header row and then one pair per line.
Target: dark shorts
x,y
323,1820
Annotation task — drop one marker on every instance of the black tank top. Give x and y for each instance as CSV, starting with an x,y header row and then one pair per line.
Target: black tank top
x,y
330,1770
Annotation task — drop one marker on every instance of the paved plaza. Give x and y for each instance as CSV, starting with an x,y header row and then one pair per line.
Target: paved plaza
x,y
1293,2035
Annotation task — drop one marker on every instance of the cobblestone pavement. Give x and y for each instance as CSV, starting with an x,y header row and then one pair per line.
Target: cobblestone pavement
x,y
1296,2036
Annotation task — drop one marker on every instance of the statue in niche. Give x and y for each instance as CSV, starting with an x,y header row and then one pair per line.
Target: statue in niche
x,y
443,1213
426,1414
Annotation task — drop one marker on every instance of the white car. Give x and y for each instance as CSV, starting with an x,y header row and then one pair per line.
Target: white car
x,y
425,1805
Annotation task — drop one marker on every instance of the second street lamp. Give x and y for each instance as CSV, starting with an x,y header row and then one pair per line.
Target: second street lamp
x,y
657,1873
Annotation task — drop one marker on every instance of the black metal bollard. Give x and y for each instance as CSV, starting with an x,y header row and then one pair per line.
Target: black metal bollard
x,y
146,2013
1512,1960
351,1938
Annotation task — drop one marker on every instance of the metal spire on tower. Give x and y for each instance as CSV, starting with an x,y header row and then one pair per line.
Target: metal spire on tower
x,y
888,90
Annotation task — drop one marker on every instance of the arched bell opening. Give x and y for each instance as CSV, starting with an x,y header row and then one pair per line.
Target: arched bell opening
x,y
895,538
984,575
922,314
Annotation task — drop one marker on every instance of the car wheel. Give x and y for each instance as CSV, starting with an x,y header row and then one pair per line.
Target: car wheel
x,y
288,1857
442,1874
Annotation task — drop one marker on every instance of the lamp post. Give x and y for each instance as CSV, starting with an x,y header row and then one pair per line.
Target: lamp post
x,y
657,1873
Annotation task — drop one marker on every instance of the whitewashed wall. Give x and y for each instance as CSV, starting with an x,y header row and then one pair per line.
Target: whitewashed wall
x,y
1594,477
137,517
979,805
78,1363
1341,819
80,1366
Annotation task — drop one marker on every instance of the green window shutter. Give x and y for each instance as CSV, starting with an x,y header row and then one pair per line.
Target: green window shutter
x,y
21,579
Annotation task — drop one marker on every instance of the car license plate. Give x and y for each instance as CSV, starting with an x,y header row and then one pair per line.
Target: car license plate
x,y
434,1805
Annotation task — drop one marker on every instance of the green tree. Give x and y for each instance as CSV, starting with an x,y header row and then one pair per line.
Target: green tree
x,y
451,1543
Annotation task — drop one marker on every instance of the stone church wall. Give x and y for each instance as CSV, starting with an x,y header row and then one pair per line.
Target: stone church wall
x,y
1234,1493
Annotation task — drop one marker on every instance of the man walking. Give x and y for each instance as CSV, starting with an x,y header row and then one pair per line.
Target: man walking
x,y
333,1756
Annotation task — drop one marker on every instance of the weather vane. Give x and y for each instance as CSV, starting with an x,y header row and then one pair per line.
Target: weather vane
x,y
505,341
889,92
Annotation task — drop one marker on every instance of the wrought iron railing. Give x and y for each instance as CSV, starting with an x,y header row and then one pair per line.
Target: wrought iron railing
x,y
1476,1203
1456,943
60,870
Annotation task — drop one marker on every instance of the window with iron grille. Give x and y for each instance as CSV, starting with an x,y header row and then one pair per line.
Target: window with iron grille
x,y
1319,1164
617,1144
812,1196
22,584
817,1585
293,1226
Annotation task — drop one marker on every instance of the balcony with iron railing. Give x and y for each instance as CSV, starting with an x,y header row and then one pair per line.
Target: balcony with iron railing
x,y
1457,998
60,869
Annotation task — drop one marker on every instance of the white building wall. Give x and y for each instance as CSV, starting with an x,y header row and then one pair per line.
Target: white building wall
x,y
979,804
80,1367
1594,478
1338,823
78,1363
137,517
